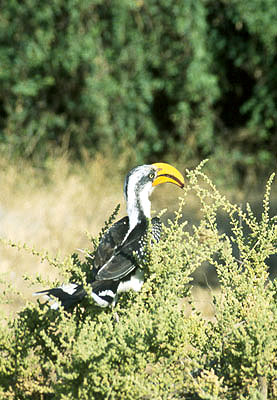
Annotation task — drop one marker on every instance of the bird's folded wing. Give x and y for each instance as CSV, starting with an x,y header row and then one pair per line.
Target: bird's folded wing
x,y
109,242
126,256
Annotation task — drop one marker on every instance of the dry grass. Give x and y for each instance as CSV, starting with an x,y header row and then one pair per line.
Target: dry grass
x,y
52,211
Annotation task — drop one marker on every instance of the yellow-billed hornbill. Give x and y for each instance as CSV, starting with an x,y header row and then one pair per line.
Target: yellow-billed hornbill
x,y
116,264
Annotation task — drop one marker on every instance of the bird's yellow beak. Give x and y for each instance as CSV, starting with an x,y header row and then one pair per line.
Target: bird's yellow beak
x,y
168,174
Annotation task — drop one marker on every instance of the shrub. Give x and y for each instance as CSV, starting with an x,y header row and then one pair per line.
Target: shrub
x,y
151,348
91,75
186,78
242,39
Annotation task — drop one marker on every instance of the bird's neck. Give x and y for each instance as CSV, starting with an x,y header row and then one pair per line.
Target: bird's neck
x,y
138,208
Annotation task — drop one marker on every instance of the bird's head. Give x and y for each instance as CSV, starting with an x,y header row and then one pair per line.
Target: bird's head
x,y
145,177
141,181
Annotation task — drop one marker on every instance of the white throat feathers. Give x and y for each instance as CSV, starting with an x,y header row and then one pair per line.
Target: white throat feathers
x,y
137,189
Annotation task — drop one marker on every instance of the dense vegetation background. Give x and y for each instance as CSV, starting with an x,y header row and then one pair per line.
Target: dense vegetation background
x,y
188,79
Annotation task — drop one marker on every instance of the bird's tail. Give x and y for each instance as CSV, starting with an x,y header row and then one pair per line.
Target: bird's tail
x,y
68,295
103,293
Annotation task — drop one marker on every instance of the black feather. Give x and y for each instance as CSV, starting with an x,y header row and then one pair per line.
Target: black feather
x,y
109,242
125,257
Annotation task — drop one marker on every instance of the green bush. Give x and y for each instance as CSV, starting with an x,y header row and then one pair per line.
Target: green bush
x,y
179,77
148,347
242,38
92,74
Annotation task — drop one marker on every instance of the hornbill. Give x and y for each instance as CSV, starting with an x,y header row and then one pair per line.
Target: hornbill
x,y
116,263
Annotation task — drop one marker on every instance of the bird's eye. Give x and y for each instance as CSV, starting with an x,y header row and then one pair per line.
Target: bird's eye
x,y
151,175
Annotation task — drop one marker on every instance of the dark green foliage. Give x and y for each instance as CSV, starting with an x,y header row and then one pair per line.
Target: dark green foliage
x,y
153,348
183,77
243,36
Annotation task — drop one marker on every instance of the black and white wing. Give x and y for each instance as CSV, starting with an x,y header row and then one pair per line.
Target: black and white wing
x,y
115,258
126,256
109,242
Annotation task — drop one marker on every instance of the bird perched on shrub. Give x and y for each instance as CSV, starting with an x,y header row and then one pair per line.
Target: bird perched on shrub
x,y
117,260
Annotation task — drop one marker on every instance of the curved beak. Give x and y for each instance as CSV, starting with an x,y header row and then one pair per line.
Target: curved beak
x,y
168,174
